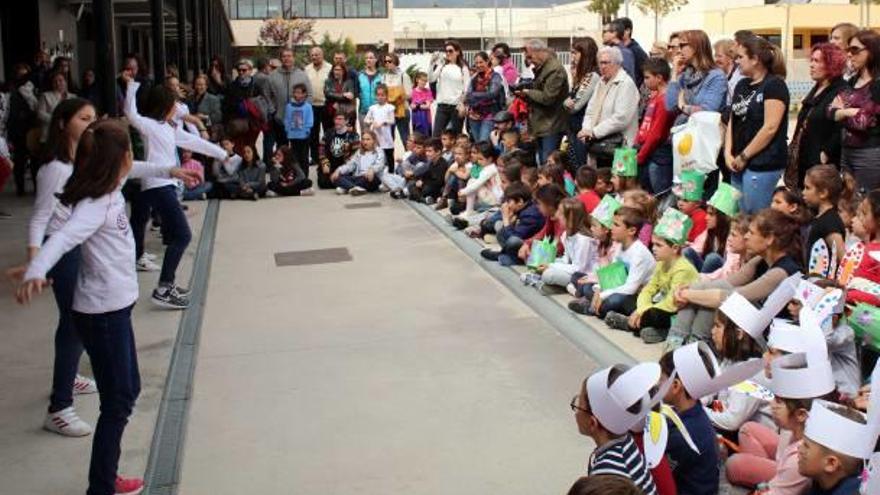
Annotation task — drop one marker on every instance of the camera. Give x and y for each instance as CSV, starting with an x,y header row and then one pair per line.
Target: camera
x,y
521,85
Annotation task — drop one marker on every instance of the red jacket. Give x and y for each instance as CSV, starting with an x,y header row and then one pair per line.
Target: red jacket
x,y
590,200
662,474
698,216
654,129
868,269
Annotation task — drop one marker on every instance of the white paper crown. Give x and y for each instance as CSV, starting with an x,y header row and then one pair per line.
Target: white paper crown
x,y
752,320
633,386
823,261
785,336
805,374
825,302
696,378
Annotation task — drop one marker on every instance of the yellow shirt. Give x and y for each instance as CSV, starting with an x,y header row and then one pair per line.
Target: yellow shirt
x,y
666,279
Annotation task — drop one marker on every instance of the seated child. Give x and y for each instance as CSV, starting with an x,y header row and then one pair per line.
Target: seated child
x,y
866,275
586,183
707,252
447,138
639,264
581,250
491,223
646,205
483,190
551,174
734,249
201,190
457,176
655,305
604,184
428,186
251,175
604,484
226,172
339,145
286,177
600,228
361,173
520,220
834,462
690,202
600,416
548,197
510,140
412,167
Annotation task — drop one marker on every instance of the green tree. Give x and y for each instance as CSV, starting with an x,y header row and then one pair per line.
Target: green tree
x,y
346,45
606,9
660,8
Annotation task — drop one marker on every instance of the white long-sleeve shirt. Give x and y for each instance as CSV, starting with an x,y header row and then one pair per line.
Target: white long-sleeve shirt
x,y
581,254
639,265
362,161
161,140
180,112
452,80
48,214
382,115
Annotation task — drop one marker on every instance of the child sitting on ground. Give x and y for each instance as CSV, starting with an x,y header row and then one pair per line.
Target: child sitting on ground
x,y
792,204
638,262
492,224
286,177
548,198
690,202
447,138
586,183
823,189
646,205
600,228
604,184
226,171
410,169
362,171
483,190
734,249
201,190
866,275
252,175
428,186
655,306
339,145
457,176
708,252
510,140
551,174
520,220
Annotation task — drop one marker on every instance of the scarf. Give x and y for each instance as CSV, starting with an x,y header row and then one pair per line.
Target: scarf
x,y
482,80
690,82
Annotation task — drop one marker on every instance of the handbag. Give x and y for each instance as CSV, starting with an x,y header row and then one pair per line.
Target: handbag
x,y
603,149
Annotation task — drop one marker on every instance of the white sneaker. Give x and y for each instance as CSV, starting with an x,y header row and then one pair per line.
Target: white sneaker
x,y
149,256
65,422
383,188
271,194
357,191
145,265
307,192
571,289
83,385
340,191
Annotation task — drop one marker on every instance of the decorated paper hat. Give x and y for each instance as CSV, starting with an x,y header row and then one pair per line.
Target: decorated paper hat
x,y
752,320
690,185
824,302
785,336
625,163
633,386
841,434
806,374
604,211
871,476
851,260
726,199
698,381
656,434
823,261
674,226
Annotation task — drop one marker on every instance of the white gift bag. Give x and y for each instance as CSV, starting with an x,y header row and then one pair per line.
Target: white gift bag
x,y
696,143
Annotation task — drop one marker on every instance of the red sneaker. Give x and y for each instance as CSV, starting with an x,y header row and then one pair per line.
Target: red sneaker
x,y
129,486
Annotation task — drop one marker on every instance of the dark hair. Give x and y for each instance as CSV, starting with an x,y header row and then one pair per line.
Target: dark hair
x,y
577,220
627,22
394,58
262,63
486,149
449,133
528,176
742,34
505,48
586,178
716,237
434,143
733,347
766,53
616,27
482,55
383,87
160,102
604,484
667,366
587,64
873,199
517,191
100,155
58,142
631,217
838,185
418,138
658,67
459,59
803,215
603,174
511,132
555,173
550,195
288,160
344,71
300,87
871,41
786,231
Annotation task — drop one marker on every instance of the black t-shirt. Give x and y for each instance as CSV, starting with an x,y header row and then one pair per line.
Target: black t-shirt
x,y
786,263
335,149
747,117
824,225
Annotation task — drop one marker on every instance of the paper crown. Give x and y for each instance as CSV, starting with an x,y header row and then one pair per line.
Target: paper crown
x,y
823,261
610,403
752,320
689,186
604,211
824,302
806,374
698,381
726,199
785,336
851,260
655,434
674,226
625,163
841,434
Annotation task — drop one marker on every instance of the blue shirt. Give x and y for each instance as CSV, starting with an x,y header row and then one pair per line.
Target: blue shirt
x,y
847,486
694,473
298,120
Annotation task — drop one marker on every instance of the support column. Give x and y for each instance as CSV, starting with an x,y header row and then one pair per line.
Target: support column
x,y
105,65
182,46
195,8
157,29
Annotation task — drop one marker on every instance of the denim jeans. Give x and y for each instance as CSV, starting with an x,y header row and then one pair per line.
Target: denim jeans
x,y
175,228
660,177
624,304
709,264
196,192
756,187
402,126
109,340
479,130
488,225
68,348
349,181
547,145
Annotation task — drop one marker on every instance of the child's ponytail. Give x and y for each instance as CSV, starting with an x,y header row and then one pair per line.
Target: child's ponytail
x,y
840,186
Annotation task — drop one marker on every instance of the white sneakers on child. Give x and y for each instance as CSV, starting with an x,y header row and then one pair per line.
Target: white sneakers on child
x,y
341,191
307,192
66,422
83,385
146,265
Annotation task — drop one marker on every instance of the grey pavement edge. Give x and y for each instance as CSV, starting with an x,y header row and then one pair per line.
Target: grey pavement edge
x,y
579,332
166,451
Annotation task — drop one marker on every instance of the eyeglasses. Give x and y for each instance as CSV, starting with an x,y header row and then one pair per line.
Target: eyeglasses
x,y
604,62
450,50
682,45
674,47
855,50
575,407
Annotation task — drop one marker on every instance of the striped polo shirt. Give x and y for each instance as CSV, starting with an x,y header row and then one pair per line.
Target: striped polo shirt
x,y
621,457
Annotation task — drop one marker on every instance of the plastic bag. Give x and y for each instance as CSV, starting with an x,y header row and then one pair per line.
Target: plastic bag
x,y
696,143
865,321
543,252
612,275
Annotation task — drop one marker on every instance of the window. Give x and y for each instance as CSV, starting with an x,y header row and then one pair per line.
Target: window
x,y
798,42
326,9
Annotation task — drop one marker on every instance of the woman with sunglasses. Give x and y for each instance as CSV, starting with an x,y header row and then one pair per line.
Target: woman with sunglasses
x,y
451,76
696,84
856,110
399,86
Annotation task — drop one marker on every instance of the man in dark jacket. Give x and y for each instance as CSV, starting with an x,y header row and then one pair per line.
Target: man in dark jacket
x,y
547,119
638,52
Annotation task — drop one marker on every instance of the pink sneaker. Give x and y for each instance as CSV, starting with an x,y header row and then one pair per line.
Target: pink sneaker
x,y
129,486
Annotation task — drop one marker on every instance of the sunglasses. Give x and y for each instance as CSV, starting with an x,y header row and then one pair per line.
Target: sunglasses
x,y
855,50
389,61
450,50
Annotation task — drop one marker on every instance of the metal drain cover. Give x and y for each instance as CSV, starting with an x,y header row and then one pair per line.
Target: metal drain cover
x,y
358,206
312,257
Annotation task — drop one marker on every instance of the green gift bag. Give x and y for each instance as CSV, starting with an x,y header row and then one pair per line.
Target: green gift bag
x,y
865,321
625,162
543,252
612,276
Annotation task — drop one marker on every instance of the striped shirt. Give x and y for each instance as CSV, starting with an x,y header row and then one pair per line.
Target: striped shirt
x,y
621,457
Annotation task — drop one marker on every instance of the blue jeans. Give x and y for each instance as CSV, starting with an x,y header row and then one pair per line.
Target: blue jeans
x,y
547,145
660,177
709,264
488,225
349,181
196,192
68,348
756,187
624,304
175,228
109,340
480,129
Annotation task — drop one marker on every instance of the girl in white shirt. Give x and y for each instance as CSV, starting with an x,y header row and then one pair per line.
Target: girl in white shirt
x,y
106,286
452,78
380,118
581,249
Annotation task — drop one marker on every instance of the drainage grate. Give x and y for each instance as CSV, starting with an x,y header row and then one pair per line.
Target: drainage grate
x,y
358,206
312,257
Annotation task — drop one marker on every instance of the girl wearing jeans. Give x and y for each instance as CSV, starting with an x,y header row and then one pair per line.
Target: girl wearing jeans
x,y
106,288
161,141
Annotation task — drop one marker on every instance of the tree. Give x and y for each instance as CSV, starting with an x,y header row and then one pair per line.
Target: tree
x,y
660,8
606,9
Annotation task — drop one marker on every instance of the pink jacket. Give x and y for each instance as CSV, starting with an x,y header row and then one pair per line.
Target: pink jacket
x,y
788,481
508,70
